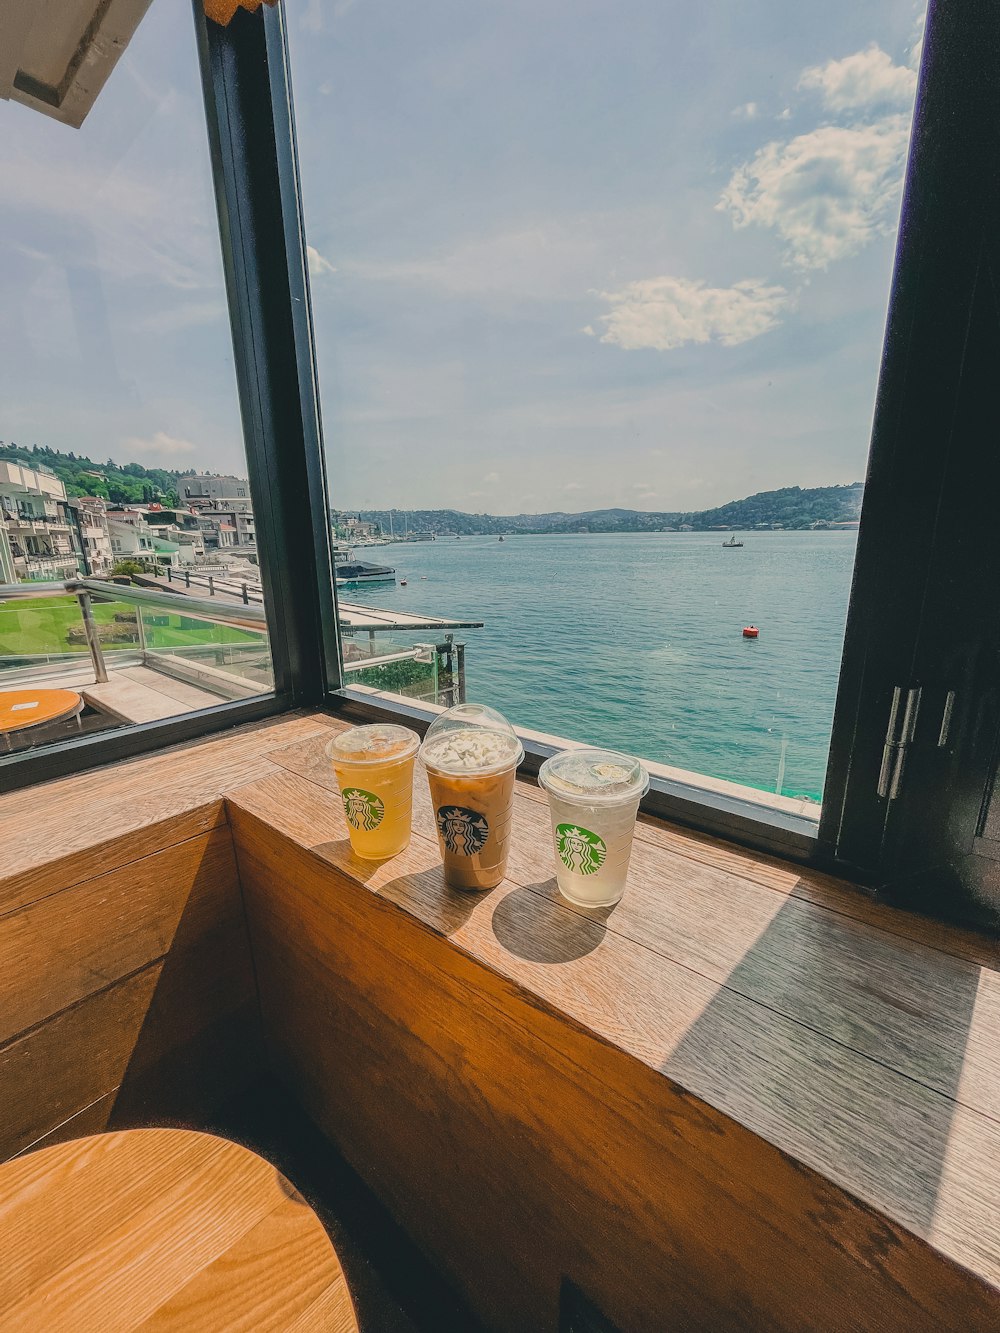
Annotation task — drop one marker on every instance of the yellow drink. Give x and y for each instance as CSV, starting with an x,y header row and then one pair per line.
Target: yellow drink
x,y
374,770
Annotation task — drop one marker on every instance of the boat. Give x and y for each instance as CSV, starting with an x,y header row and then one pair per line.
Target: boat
x,y
402,583
732,544
750,631
499,539
349,572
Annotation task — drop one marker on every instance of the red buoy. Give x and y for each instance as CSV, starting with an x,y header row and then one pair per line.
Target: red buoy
x,y
750,631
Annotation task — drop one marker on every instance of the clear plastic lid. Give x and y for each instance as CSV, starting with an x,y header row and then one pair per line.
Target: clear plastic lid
x,y
374,744
471,738
594,777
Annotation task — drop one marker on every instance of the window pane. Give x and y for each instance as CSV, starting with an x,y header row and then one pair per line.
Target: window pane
x,y
121,454
599,295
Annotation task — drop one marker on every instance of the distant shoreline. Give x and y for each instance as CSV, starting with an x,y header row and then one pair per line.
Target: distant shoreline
x,y
834,529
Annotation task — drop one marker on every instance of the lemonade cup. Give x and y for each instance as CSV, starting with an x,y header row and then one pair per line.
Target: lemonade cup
x,y
374,769
471,756
594,798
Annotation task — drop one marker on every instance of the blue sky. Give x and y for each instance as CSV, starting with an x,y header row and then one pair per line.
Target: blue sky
x,y
564,254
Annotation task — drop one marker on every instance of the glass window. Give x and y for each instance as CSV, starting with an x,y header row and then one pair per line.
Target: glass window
x,y
599,296
130,585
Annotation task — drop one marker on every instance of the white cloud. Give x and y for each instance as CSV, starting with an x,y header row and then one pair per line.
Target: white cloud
x,y
826,194
573,486
492,478
784,115
318,266
865,79
748,111
664,313
159,446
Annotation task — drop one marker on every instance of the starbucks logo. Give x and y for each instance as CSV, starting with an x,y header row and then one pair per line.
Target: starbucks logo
x,y
363,809
580,850
463,832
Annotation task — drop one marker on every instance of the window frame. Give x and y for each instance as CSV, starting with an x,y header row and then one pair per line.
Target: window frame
x,y
251,132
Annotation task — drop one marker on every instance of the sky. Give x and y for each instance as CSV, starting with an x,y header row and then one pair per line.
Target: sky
x,y
563,255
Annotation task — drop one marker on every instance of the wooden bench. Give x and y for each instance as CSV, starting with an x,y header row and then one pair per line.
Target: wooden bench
x,y
162,1229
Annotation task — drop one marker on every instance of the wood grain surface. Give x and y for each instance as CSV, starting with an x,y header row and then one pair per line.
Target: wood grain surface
x,y
162,1229
748,1097
71,944
519,1144
132,991
830,1037
63,832
923,1011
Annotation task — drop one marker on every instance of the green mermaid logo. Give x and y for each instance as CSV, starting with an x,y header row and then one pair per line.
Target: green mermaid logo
x,y
363,809
580,850
463,832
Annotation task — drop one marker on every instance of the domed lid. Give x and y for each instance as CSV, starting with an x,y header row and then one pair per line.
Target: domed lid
x,y
373,744
471,738
594,777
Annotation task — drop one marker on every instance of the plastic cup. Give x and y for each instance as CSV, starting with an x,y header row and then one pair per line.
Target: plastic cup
x,y
374,768
594,798
471,756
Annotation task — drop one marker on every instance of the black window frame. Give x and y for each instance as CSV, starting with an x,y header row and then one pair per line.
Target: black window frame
x,y
251,132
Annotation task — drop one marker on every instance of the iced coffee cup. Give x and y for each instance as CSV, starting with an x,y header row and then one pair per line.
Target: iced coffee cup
x,y
594,798
374,768
471,755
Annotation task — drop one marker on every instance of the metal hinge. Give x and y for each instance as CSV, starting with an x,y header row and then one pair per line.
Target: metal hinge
x,y
899,733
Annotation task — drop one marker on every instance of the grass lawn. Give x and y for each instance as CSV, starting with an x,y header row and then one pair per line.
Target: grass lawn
x,y
37,627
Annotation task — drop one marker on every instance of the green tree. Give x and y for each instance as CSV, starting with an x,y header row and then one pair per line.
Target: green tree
x,y
126,568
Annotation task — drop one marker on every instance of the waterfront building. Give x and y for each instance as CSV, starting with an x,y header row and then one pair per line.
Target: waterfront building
x,y
90,515
37,523
130,536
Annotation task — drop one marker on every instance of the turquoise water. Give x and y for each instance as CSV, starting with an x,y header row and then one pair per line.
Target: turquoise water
x,y
634,641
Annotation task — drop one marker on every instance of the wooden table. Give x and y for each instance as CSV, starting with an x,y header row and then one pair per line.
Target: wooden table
x,y
162,1229
21,709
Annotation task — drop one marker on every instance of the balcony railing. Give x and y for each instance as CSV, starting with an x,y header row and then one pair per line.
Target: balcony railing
x,y
220,650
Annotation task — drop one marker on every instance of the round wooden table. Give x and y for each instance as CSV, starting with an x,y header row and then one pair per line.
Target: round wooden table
x,y
21,709
162,1229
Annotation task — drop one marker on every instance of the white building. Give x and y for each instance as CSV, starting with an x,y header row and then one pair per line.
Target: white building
x,y
37,524
92,531
131,538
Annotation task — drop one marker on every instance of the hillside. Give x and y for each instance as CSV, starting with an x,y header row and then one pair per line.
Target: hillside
x,y
791,507
128,484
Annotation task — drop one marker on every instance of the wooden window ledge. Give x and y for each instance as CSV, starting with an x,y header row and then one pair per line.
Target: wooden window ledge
x,y
756,1002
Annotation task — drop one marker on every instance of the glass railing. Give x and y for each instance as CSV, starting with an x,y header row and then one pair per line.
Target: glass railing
x,y
390,663
131,653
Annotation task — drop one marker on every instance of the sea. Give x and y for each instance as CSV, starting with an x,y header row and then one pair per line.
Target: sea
x,y
634,640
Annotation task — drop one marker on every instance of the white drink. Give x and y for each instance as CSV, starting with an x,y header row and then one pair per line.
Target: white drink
x,y
594,798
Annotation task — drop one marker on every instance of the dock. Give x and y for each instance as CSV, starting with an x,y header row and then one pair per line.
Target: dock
x,y
353,616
